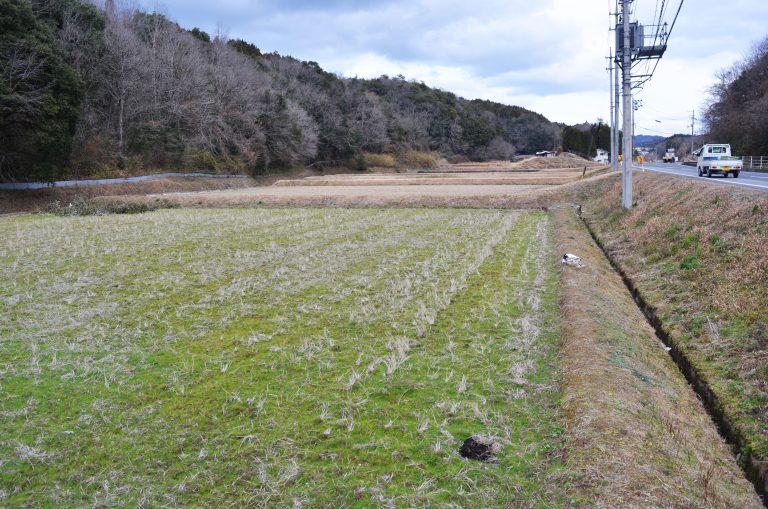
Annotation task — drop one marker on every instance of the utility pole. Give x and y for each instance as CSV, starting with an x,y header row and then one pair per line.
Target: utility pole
x,y
630,47
614,152
693,122
617,137
626,68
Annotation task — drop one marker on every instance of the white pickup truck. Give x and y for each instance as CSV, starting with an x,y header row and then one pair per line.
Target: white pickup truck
x,y
716,158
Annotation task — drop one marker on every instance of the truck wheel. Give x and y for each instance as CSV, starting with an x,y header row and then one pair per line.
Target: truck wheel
x,y
701,173
709,173
735,174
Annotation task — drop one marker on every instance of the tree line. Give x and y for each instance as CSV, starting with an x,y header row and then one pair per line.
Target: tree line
x,y
88,89
738,113
585,139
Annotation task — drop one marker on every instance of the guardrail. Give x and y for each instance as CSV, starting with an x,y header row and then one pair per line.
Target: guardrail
x,y
755,162
101,182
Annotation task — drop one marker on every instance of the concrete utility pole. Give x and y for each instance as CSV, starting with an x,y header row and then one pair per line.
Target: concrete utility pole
x,y
614,155
617,137
626,54
693,122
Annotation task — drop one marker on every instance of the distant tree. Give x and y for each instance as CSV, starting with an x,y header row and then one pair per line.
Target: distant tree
x,y
500,149
577,141
123,77
478,132
246,48
40,97
200,35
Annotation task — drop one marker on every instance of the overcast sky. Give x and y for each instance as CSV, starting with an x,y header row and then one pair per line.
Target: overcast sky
x,y
545,55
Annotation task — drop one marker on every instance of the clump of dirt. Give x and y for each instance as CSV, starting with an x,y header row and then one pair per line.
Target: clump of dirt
x,y
480,448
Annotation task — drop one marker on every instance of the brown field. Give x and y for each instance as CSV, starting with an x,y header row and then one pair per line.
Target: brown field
x,y
30,200
473,190
452,196
543,178
530,163
534,171
530,173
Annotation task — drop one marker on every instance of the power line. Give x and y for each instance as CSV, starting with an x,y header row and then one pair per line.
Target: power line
x,y
666,38
631,51
667,133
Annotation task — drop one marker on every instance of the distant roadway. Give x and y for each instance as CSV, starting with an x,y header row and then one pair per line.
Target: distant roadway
x,y
748,179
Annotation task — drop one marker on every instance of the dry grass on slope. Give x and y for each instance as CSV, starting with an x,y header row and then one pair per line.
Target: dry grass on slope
x,y
638,435
698,254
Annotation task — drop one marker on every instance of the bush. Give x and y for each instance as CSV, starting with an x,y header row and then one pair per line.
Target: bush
x,y
380,160
458,159
83,207
415,159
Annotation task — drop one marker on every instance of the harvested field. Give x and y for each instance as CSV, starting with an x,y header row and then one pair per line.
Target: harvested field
x,y
489,173
340,357
561,161
456,196
26,201
476,174
393,190
537,163
267,358
474,179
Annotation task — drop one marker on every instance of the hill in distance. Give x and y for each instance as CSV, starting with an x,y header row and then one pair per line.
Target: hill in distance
x,y
644,140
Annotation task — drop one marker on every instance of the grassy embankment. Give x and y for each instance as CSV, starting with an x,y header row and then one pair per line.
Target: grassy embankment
x,y
262,358
698,255
637,434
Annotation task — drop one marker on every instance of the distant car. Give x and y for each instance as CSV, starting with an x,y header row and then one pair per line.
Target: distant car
x,y
716,158
669,156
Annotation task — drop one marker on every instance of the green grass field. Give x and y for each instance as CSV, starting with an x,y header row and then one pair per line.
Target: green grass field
x,y
317,358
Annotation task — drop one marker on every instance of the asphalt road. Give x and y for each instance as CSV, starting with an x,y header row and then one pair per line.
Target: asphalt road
x,y
750,179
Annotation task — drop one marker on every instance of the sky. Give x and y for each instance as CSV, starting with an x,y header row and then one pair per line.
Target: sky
x,y
545,55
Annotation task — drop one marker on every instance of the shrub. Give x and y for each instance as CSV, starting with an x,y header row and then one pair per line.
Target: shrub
x,y
379,160
416,159
458,159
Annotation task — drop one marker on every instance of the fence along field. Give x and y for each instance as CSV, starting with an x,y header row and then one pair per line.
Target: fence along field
x,y
279,357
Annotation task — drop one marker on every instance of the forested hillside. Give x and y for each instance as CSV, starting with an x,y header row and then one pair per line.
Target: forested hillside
x,y
739,112
89,90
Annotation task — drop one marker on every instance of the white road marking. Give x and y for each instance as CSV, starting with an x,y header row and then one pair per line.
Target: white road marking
x,y
731,182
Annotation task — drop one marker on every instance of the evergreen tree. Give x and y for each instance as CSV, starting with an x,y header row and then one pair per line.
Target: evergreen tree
x,y
39,97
